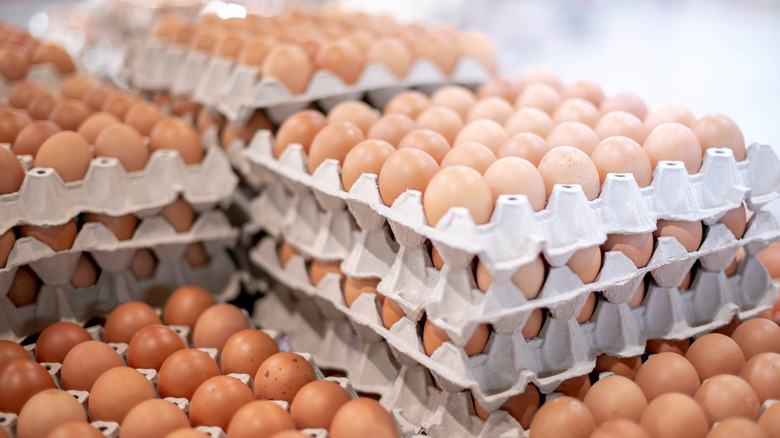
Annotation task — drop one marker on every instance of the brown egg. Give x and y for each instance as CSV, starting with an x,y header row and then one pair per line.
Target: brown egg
x,y
391,128
153,419
622,366
405,169
542,74
439,49
196,255
562,416
290,65
573,134
259,419
179,214
127,319
75,429
299,128
622,155
24,287
56,340
656,346
97,97
474,155
354,287
627,102
479,46
667,372
621,123
316,403
392,53
674,415
183,371
540,96
21,379
123,227
618,429
334,142
23,92
143,264
116,392
756,336
428,141
186,304
737,427
637,247
486,132
454,97
12,121
13,63
689,234
501,86
533,324
363,416
207,118
718,131
217,399
516,176
761,373
443,120
281,376
152,345
391,313
343,58
217,324
670,112
254,52
45,411
575,109
143,116
49,53
75,87
735,220
57,237
409,103
10,350
320,268
583,89
569,165
41,106
366,157
522,407
457,186
673,142
94,125
529,120
356,112
245,351
230,46
587,309
525,145
119,104
175,133
490,108
686,282
13,173
67,153
529,278
434,337
32,136
85,362
124,143
725,396
7,241
615,397
86,272
769,420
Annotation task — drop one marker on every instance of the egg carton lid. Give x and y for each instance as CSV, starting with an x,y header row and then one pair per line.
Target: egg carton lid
x,y
65,303
44,199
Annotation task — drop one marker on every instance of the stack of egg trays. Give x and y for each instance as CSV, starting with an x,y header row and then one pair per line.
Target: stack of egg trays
x,y
407,391
314,214
112,429
237,90
45,200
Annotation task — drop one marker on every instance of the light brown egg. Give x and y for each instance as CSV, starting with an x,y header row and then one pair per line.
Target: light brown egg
x,y
621,366
12,121
354,287
615,397
760,371
67,153
479,46
127,319
356,112
143,116
674,415
674,142
316,403
392,53
522,407
587,309
538,95
718,131
485,132
10,350
23,92
20,379
428,141
153,418
689,234
230,46
75,87
516,176
434,337
206,39
12,171
574,109
232,132
638,247
756,336
320,268
56,340
281,376
441,50
454,97
334,141
621,123
409,103
175,133
769,420
50,53
405,169
737,427
13,63
57,237
45,411
124,143
725,396
245,351
86,272
542,74
490,108
97,97
216,401
119,104
186,304
391,128
32,136
42,105
443,120
618,429
622,155
123,227
583,89
586,263
624,102
299,128
457,186
656,346
152,345
254,52
179,214
260,419
474,155
574,134
363,417
217,324
75,429
529,278
7,241
391,313
735,220
183,371
290,65
105,402
85,362
667,372
24,287
501,86
366,157
562,416
143,264
343,58
670,112
569,165
524,145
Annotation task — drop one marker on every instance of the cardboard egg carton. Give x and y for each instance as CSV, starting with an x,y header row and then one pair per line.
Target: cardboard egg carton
x,y
237,90
44,199
45,74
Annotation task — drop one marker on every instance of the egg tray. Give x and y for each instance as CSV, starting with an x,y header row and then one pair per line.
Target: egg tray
x,y
58,300
563,348
45,74
44,199
154,65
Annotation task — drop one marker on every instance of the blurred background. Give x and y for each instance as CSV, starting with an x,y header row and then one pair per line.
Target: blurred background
x,y
710,55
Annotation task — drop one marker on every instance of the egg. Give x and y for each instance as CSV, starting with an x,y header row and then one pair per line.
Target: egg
x,y
175,133
538,95
12,121
300,128
259,419
587,308
127,319
356,112
281,376
245,351
316,403
392,53
474,155
217,399
57,237
254,52
363,417
366,157
151,345
13,173
622,155
354,287
769,420
638,247
490,108
457,186
583,89
75,86
454,97
186,304
627,102
85,362
230,46
143,116
56,340
542,74
32,136
667,372
562,416
428,141
735,220
674,415
477,45
75,429
618,429
516,176
524,145
10,350
123,226
391,128
334,141
409,103
434,337
615,397
24,287
737,427
689,234
674,142
669,112
143,264
529,278
718,131
125,143
20,379
320,268
23,92
119,104
116,392
756,336
233,132
725,396
656,346
441,50
522,407
290,65
7,241
391,313
183,371
207,119
179,214
217,324
153,419
501,86
569,165
760,371
341,57
14,64
486,132
441,119
97,97
621,123
45,411
85,274
50,53
621,366
67,153
574,109
573,134
529,120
